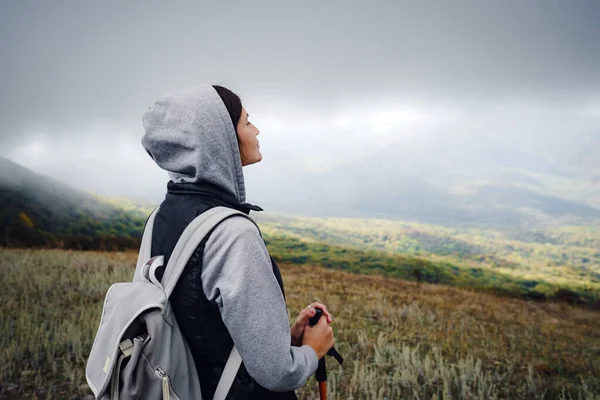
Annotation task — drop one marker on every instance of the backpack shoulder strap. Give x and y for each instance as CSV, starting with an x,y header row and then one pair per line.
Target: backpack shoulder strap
x,y
229,372
146,246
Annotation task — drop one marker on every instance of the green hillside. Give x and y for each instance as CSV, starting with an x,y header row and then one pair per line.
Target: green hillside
x,y
558,263
38,211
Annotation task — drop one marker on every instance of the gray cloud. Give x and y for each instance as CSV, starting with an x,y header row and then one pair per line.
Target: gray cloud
x,y
66,63
78,75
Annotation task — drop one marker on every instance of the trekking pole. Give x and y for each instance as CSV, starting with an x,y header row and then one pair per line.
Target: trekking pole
x,y
321,374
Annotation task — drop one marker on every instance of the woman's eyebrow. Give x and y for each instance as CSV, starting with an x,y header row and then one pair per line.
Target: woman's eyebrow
x,y
247,116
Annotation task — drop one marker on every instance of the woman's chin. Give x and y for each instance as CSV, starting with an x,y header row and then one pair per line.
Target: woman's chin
x,y
257,158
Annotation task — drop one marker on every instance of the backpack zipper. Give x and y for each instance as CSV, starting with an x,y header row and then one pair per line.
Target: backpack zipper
x,y
165,382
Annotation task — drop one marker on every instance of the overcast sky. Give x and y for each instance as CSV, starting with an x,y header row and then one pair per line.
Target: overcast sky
x,y
326,82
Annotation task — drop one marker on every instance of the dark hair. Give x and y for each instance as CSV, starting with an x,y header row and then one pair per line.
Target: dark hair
x,y
232,102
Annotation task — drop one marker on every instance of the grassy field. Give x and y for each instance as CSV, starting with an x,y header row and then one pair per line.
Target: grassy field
x,y
553,263
400,339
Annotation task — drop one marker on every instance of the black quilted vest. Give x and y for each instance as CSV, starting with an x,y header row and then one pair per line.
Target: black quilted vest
x,y
199,320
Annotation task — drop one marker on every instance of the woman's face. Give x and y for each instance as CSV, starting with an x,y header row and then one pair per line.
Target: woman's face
x,y
248,141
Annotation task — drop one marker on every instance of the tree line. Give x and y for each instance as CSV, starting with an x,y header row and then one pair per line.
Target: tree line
x,y
114,234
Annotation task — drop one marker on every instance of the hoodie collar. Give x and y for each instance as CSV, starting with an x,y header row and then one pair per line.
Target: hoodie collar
x,y
210,190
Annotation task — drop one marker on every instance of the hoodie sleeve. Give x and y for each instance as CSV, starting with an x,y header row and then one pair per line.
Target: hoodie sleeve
x,y
237,275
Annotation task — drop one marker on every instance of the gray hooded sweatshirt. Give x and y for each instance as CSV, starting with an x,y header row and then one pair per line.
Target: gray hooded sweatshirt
x,y
190,135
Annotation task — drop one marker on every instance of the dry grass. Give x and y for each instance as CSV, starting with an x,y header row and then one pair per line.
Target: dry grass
x,y
400,339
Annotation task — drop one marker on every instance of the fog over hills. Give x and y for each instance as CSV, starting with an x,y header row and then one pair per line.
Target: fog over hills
x,y
466,180
462,180
41,211
50,194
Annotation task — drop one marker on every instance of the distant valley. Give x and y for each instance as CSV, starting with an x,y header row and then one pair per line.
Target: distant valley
x,y
556,261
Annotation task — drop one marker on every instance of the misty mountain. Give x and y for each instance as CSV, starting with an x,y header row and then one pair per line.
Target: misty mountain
x,y
459,180
469,180
39,210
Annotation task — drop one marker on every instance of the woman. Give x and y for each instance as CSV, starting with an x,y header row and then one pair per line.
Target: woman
x,y
231,291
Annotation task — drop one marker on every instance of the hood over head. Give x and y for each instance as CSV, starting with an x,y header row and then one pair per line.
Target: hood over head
x,y
190,134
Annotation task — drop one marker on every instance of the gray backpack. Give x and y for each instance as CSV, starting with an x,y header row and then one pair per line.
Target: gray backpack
x,y
139,351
